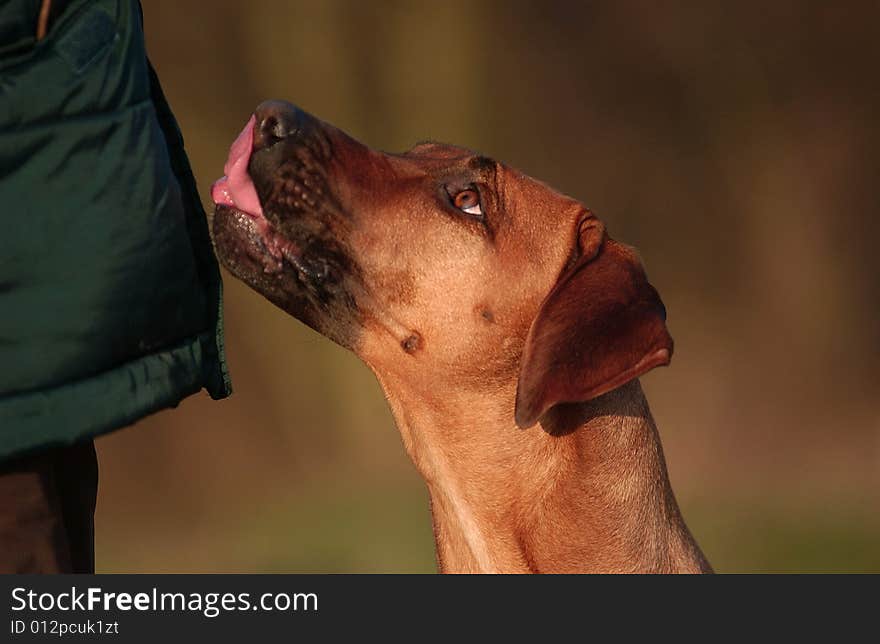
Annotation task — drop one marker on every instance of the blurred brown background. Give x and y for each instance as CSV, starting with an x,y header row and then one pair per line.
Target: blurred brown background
x,y
736,144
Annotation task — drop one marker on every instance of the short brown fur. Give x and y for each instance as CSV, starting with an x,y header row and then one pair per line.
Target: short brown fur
x,y
473,326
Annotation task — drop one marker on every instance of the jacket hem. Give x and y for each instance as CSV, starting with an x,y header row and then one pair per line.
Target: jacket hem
x,y
102,403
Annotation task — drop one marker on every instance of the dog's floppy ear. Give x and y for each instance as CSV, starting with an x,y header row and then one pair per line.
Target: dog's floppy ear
x,y
601,326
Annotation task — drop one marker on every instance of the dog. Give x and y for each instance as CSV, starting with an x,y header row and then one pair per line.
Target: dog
x,y
486,303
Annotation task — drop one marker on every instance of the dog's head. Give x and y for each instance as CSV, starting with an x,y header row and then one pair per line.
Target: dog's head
x,y
436,266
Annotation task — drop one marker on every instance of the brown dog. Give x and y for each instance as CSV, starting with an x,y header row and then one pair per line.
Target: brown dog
x,y
485,303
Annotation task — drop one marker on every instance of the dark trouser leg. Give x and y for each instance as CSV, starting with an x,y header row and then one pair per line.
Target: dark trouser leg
x,y
47,510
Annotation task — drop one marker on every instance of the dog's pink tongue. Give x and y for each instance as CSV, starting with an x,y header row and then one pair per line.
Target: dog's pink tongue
x,y
236,188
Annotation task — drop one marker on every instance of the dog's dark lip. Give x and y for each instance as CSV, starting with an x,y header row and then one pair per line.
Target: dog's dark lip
x,y
276,249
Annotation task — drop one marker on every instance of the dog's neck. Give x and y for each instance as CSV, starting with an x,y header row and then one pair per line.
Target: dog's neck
x,y
587,491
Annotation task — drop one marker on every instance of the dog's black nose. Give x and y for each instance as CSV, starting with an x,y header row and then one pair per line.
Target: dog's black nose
x,y
274,122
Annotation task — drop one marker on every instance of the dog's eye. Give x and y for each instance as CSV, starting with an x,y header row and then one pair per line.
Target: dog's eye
x,y
468,201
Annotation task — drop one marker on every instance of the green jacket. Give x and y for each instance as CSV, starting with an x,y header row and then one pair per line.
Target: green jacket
x,y
110,295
